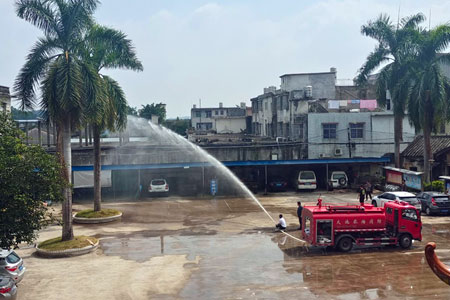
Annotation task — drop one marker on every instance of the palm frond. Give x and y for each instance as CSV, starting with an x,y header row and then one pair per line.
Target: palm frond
x,y
381,29
118,102
376,58
412,21
110,48
43,52
39,13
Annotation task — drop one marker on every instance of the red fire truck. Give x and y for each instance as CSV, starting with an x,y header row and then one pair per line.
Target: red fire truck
x,y
342,226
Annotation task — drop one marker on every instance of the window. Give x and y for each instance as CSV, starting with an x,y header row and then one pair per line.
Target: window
x,y
329,131
216,112
221,112
12,258
266,106
410,214
198,114
307,175
204,126
356,130
208,114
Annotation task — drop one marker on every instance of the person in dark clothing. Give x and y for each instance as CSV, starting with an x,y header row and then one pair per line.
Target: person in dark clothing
x,y
299,214
362,194
369,190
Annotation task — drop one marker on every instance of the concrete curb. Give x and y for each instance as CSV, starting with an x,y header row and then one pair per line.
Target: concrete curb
x,y
79,220
66,253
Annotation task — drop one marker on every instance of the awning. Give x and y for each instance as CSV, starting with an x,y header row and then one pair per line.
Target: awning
x,y
240,163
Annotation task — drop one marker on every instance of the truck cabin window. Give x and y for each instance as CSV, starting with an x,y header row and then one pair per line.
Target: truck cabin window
x,y
389,210
410,214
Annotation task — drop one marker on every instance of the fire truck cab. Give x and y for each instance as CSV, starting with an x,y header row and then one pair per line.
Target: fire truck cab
x,y
397,223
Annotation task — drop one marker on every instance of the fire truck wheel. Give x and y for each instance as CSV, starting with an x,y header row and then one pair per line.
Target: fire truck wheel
x,y
405,241
345,244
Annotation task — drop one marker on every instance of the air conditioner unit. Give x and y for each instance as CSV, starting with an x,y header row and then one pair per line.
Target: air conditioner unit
x,y
338,152
322,155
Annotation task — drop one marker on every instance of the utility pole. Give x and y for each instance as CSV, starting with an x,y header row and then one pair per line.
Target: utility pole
x,y
349,143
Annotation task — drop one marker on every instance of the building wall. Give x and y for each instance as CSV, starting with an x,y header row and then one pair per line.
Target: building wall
x,y
323,84
230,125
202,118
377,139
262,114
208,117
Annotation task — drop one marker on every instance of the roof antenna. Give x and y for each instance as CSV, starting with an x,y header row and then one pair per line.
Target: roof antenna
x,y
398,15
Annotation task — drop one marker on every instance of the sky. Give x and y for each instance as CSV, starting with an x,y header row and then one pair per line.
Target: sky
x,y
224,51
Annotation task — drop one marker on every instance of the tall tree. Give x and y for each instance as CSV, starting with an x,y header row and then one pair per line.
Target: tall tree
x,y
429,97
66,80
158,109
107,48
395,50
29,176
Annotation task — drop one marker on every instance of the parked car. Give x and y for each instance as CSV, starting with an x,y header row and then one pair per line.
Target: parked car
x,y
338,179
11,265
158,186
434,203
8,289
277,184
306,180
380,200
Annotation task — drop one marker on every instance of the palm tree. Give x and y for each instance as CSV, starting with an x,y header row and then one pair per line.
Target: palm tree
x,y
110,49
429,97
395,49
65,80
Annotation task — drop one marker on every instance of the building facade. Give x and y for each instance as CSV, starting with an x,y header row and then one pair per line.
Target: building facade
x,y
220,119
354,134
5,99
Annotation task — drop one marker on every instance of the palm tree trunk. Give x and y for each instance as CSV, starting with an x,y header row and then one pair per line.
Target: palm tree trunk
x,y
398,129
426,140
64,134
97,169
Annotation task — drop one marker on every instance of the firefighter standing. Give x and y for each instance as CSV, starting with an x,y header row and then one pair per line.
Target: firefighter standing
x,y
362,194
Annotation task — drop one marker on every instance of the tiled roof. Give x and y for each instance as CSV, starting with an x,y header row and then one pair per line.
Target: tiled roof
x,y
438,143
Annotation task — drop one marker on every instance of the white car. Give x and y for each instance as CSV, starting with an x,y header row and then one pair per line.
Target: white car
x,y
380,200
306,180
158,186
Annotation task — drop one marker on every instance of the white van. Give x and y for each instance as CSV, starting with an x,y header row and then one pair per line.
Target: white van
x,y
306,180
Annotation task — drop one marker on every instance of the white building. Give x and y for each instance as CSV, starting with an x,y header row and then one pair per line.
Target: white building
x,y
354,134
220,119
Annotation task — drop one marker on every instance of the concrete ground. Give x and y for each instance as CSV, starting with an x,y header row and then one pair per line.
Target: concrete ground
x,y
173,248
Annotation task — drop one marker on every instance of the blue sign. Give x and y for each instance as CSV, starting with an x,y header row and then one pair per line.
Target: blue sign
x,y
413,181
213,187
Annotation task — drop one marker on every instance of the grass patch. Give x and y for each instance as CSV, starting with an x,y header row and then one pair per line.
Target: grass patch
x,y
90,213
77,242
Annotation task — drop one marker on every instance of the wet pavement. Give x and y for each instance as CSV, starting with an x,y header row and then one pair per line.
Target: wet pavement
x,y
226,248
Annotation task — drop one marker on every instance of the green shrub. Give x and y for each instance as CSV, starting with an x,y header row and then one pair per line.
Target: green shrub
x,y
437,186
